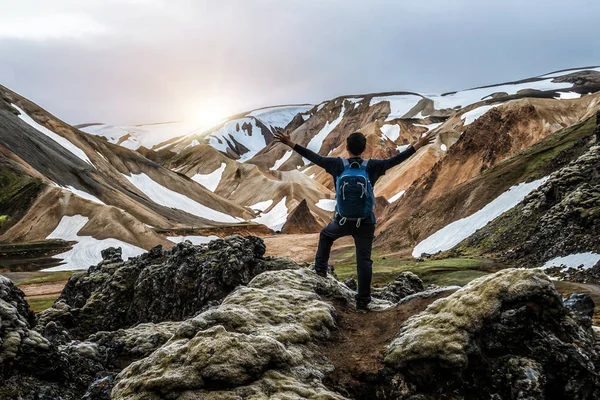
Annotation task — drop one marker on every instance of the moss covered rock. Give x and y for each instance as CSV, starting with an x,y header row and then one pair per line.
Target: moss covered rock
x,y
506,336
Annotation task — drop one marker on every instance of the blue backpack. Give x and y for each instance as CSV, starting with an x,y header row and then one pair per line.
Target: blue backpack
x,y
354,193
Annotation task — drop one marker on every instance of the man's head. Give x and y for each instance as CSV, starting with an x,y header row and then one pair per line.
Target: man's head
x,y
356,143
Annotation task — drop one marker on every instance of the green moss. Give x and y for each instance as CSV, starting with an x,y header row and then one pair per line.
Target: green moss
x,y
38,305
17,190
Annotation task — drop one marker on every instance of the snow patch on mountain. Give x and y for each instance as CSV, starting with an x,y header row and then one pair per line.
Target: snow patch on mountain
x,y
465,97
244,131
326,204
399,104
86,251
84,195
261,205
63,142
283,159
584,260
470,116
169,198
196,240
274,218
279,117
567,95
317,141
211,180
452,234
431,126
391,132
148,135
396,196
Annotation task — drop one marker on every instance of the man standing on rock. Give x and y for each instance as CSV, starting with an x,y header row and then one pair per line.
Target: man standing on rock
x,y
354,179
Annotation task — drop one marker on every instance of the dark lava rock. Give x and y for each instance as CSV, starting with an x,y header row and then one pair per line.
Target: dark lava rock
x,y
351,283
503,336
156,286
113,254
404,285
581,304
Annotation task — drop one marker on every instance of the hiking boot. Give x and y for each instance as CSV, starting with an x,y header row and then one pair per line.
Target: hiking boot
x,y
321,273
362,307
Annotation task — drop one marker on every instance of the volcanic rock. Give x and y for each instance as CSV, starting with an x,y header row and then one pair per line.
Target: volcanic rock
x,y
156,286
502,336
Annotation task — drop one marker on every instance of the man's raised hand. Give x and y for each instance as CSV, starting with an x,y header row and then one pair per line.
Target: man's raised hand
x,y
425,140
283,137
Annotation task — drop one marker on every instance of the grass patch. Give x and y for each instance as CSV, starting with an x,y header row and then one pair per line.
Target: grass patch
x,y
444,272
30,278
3,219
38,305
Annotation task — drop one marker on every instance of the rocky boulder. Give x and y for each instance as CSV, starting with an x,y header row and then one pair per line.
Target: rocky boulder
x,y
405,284
503,336
157,286
32,367
261,342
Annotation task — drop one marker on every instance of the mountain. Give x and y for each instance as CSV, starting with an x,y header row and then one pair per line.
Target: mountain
x,y
89,189
82,188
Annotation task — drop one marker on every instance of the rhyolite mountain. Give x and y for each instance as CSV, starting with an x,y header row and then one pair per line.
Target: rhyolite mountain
x,y
136,187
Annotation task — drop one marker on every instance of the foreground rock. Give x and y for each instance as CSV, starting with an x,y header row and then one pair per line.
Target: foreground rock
x,y
405,284
261,342
157,286
503,336
31,366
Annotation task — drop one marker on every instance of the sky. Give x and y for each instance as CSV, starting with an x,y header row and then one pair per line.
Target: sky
x,y
143,61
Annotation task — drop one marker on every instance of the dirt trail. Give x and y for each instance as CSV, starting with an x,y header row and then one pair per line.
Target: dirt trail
x,y
357,347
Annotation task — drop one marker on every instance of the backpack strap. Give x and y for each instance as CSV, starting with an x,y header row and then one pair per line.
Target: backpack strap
x,y
365,162
345,162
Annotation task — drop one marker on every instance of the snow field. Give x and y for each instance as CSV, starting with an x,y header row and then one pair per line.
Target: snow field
x,y
169,198
86,251
584,260
452,234
196,240
283,159
66,144
276,217
317,141
326,204
211,180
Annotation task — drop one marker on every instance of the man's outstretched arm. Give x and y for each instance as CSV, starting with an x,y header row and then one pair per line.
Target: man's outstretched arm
x,y
327,163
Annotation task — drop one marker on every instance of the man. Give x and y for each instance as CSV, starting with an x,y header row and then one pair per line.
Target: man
x,y
361,229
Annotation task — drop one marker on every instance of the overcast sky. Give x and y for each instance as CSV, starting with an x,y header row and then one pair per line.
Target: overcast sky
x,y
139,61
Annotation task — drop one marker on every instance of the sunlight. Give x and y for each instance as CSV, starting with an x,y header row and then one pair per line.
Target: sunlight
x,y
209,115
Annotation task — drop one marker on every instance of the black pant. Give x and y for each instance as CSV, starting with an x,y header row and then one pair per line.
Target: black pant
x,y
363,241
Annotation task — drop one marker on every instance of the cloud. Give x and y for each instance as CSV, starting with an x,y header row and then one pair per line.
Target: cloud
x,y
148,60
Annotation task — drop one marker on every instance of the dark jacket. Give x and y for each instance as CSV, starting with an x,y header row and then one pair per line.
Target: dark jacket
x,y
375,167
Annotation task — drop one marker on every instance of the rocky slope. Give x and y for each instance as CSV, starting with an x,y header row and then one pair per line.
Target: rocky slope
x,y
288,333
417,215
560,218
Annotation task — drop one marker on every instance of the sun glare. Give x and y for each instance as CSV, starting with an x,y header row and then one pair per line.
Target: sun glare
x,y
207,116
